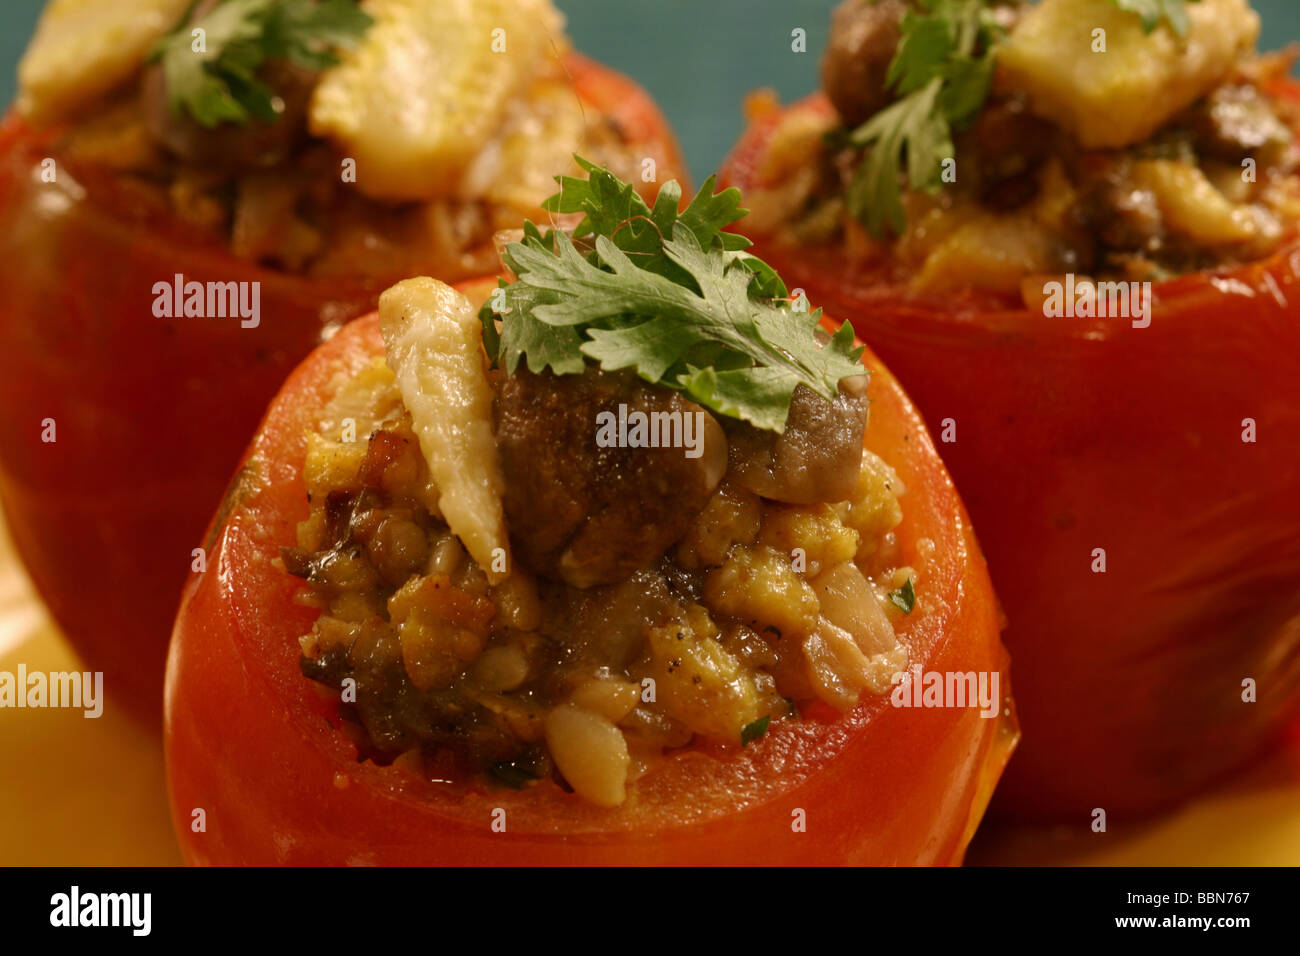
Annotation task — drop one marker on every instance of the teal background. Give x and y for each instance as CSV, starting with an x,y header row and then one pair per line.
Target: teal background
x,y
698,58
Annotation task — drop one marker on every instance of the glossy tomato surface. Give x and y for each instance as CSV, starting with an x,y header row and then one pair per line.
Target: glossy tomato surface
x,y
1139,684
256,746
150,414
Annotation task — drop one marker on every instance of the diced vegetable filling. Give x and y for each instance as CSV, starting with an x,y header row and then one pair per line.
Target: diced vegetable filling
x,y
623,507
1101,146
701,609
384,139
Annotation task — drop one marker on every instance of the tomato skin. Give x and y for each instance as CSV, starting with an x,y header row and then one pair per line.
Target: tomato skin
x,y
1076,434
253,742
151,413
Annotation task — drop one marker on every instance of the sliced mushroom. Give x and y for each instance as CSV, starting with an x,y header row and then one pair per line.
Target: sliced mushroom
x,y
815,459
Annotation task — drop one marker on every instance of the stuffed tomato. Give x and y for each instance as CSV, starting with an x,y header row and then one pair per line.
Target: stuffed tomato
x,y
177,240
1091,296
585,576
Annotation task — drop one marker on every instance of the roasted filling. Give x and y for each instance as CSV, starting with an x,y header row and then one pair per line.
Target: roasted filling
x,y
1153,154
655,600
333,180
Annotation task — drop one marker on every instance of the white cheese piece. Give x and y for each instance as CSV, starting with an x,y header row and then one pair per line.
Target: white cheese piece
x,y
427,85
1122,95
434,344
84,49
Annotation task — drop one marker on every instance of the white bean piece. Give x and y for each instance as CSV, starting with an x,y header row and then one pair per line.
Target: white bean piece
x,y
591,753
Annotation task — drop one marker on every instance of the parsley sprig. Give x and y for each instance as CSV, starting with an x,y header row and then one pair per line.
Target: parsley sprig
x,y
667,293
1153,11
941,74
218,84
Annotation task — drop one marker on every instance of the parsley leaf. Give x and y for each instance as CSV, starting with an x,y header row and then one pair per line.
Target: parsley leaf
x,y
904,598
307,33
666,293
1153,11
941,72
218,84
612,207
751,732
911,129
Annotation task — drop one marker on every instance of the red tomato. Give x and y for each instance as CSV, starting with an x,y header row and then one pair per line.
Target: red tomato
x,y
255,745
1074,436
150,414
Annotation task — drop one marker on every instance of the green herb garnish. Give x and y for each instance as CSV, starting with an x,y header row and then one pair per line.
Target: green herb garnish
x,y
904,598
752,732
941,73
218,84
1153,11
666,293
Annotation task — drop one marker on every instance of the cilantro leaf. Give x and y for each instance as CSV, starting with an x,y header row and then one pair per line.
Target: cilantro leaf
x,y
663,292
1153,11
523,335
760,396
910,130
613,208
218,83
904,598
925,46
752,731
187,73
721,312
307,33
941,74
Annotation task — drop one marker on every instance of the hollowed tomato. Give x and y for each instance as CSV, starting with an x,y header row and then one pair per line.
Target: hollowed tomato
x,y
253,744
1135,490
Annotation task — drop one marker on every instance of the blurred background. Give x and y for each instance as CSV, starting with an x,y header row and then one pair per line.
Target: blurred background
x,y
698,58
